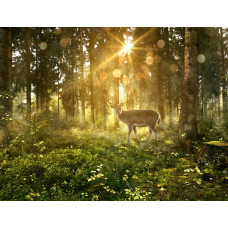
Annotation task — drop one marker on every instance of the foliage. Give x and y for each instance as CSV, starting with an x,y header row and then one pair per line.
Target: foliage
x,y
78,164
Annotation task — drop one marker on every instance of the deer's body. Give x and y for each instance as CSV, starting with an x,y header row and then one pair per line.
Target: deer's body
x,y
138,118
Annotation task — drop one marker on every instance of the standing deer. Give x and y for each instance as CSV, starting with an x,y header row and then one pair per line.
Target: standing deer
x,y
137,118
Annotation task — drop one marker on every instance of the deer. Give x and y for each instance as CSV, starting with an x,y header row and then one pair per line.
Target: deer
x,y
137,118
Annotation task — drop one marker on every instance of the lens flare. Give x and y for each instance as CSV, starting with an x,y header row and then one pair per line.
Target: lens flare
x,y
201,58
43,45
117,73
65,41
149,60
161,43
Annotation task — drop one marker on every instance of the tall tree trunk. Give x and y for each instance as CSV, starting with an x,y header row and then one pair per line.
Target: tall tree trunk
x,y
188,115
4,81
82,78
91,79
159,76
27,70
168,75
224,95
37,80
41,73
117,91
10,67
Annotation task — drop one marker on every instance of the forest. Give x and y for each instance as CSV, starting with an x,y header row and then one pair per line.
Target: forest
x,y
68,131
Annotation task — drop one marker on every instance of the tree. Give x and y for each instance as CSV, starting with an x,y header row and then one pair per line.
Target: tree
x,y
168,72
91,59
158,74
188,116
82,95
224,95
27,70
5,81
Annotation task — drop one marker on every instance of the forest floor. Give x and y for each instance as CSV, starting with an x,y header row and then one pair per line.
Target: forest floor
x,y
72,164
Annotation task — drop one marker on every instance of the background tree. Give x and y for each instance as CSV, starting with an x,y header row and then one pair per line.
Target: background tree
x,y
5,80
188,117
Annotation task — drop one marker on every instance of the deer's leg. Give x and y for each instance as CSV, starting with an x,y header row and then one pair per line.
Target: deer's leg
x,y
129,132
135,130
150,133
155,134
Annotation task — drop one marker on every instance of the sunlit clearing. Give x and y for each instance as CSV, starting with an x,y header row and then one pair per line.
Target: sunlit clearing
x,y
125,80
57,30
117,73
102,75
173,68
201,58
161,43
111,92
43,45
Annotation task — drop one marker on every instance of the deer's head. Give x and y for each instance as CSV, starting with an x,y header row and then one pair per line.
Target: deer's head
x,y
118,107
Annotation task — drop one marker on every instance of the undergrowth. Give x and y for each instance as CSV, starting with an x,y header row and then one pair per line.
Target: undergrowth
x,y
43,163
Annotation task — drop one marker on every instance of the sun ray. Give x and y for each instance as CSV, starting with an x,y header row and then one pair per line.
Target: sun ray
x,y
116,38
123,44
143,36
107,61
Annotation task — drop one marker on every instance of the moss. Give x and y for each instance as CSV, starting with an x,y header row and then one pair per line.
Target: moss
x,y
217,143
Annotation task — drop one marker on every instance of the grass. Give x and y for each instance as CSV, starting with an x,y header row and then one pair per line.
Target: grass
x,y
78,165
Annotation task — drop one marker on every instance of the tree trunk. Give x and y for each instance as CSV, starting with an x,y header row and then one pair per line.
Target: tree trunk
x,y
10,68
224,95
91,79
82,78
37,80
5,103
188,115
159,77
168,75
27,70
116,88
